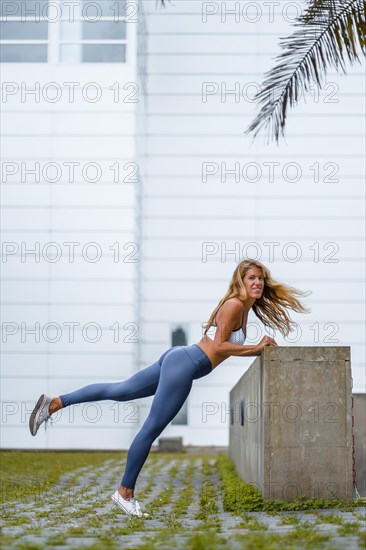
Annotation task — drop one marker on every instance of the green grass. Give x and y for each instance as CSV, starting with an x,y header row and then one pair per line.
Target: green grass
x,y
207,501
251,523
349,528
289,519
28,473
205,541
362,538
303,538
337,520
239,497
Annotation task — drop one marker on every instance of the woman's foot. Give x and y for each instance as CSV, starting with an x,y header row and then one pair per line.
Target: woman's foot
x,y
125,492
130,507
55,405
45,406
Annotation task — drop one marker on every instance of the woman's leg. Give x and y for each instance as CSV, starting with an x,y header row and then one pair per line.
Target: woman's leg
x,y
175,382
141,384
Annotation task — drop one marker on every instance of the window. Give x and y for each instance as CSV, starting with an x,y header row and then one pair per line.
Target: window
x,y
179,338
65,31
93,33
24,32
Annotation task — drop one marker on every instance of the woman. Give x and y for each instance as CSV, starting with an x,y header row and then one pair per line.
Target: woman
x,y
170,377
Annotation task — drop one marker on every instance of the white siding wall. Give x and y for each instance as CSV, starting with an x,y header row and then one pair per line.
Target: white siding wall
x,y
39,291
170,214
141,154
181,212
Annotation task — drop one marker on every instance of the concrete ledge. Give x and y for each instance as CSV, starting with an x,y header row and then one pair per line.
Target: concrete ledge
x,y
291,423
170,445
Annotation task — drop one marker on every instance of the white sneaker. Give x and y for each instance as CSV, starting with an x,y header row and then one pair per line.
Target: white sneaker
x,y
130,507
40,414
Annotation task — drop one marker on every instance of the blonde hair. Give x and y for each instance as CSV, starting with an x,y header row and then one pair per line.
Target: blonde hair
x,y
270,307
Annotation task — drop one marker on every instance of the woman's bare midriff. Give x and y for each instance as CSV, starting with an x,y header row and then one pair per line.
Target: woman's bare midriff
x,y
207,345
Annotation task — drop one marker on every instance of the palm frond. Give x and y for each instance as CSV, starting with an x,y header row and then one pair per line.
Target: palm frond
x,y
329,31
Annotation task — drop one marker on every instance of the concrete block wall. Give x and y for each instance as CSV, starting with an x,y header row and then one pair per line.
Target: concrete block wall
x,y
291,423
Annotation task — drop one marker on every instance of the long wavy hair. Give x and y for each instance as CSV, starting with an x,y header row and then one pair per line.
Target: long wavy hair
x,y
270,307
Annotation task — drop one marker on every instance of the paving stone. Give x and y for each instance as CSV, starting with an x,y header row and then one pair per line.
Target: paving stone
x,y
78,542
83,498
11,531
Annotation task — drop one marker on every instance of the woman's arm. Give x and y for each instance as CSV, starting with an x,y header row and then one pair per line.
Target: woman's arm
x,y
230,317
227,348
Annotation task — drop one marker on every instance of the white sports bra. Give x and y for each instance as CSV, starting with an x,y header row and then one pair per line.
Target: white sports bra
x,y
236,337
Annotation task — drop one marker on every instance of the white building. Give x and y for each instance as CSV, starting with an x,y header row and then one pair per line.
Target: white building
x,y
127,173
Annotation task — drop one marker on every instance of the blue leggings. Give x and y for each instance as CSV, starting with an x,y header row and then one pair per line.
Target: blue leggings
x,y
170,379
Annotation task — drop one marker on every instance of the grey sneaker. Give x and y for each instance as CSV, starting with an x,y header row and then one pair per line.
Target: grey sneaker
x,y
40,413
130,507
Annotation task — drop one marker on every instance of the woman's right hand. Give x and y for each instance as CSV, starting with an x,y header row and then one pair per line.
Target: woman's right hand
x,y
266,341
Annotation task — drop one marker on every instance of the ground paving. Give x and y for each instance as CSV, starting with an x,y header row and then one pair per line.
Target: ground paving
x,y
78,513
